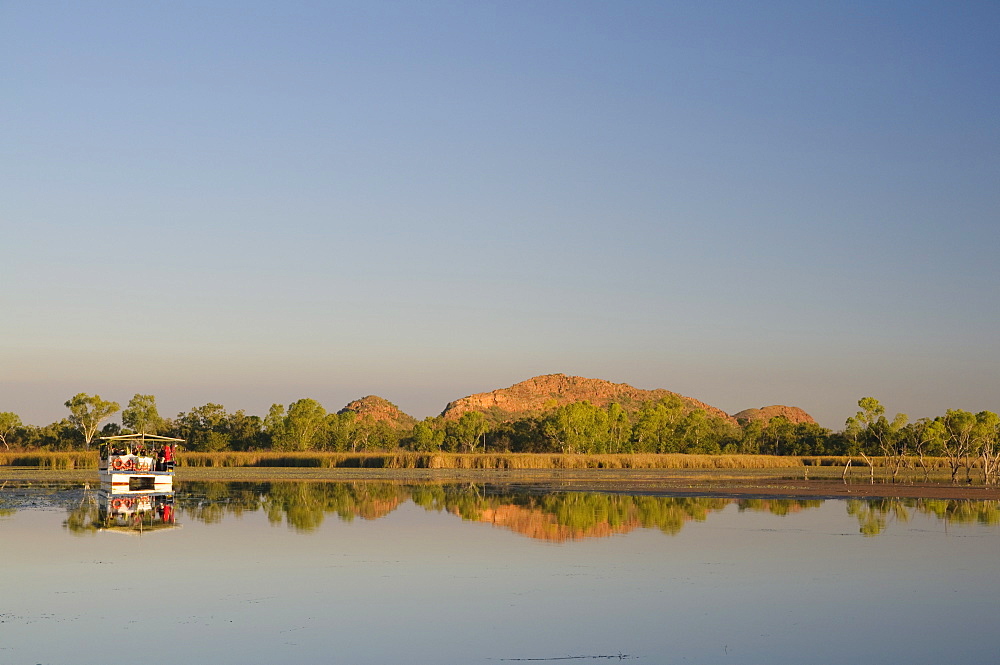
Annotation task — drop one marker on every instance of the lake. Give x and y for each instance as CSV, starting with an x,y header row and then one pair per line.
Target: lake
x,y
356,572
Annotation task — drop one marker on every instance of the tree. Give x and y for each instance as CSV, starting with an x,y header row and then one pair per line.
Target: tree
x,y
697,433
924,437
986,440
204,427
303,423
141,415
340,430
425,437
466,431
619,427
245,432
87,412
656,426
779,430
274,424
872,428
579,427
752,436
298,428
957,440
9,422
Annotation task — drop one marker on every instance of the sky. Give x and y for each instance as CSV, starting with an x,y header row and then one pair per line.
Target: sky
x,y
249,203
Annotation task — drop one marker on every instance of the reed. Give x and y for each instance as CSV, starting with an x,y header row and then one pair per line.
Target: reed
x,y
50,460
499,461
479,461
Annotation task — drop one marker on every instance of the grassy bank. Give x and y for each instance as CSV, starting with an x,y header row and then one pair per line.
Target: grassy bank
x,y
410,460
48,460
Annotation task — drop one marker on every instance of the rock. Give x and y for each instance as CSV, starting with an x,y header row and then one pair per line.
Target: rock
x,y
377,409
544,393
794,414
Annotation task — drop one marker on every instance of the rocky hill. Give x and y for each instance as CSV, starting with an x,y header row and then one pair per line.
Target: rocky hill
x,y
543,393
378,409
793,413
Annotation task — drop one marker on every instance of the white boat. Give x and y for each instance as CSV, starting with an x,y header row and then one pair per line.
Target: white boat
x,y
135,463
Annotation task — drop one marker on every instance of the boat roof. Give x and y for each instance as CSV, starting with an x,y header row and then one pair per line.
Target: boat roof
x,y
139,437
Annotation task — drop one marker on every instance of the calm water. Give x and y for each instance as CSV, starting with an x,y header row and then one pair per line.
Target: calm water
x,y
381,573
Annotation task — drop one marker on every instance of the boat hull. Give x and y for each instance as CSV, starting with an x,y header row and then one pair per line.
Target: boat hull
x,y
151,481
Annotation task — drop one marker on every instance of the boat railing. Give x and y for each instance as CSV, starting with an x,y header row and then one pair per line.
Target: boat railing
x,y
136,463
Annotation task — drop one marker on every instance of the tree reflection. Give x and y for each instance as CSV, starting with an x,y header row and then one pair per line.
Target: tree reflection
x,y
875,514
552,516
85,518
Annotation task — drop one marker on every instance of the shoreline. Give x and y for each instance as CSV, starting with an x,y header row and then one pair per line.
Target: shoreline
x,y
771,483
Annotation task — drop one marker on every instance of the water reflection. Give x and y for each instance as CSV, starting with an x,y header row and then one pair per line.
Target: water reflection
x,y
875,514
468,573
124,512
554,517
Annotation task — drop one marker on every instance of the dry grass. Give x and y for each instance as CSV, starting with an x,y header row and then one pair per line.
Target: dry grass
x,y
49,460
502,461
481,461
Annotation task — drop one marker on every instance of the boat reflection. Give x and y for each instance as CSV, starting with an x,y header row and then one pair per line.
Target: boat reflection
x,y
121,511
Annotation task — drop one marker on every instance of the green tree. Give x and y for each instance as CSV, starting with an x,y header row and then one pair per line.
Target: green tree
x,y
877,434
466,432
141,415
619,428
87,412
340,429
986,441
9,423
204,428
579,427
780,434
959,426
656,427
274,425
925,437
303,424
425,437
810,439
245,432
752,436
62,435
696,433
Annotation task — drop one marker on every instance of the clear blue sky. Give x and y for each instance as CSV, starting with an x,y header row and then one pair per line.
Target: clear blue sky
x,y
747,203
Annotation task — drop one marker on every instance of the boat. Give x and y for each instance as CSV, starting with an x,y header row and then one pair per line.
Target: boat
x,y
136,463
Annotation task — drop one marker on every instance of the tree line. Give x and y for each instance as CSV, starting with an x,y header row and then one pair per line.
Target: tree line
x,y
966,440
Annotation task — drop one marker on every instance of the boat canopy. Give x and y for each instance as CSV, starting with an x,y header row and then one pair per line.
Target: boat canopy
x,y
139,438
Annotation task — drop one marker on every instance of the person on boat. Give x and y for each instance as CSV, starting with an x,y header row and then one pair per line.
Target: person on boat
x,y
168,457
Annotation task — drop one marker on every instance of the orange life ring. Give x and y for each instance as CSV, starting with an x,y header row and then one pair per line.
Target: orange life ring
x,y
117,464
116,504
